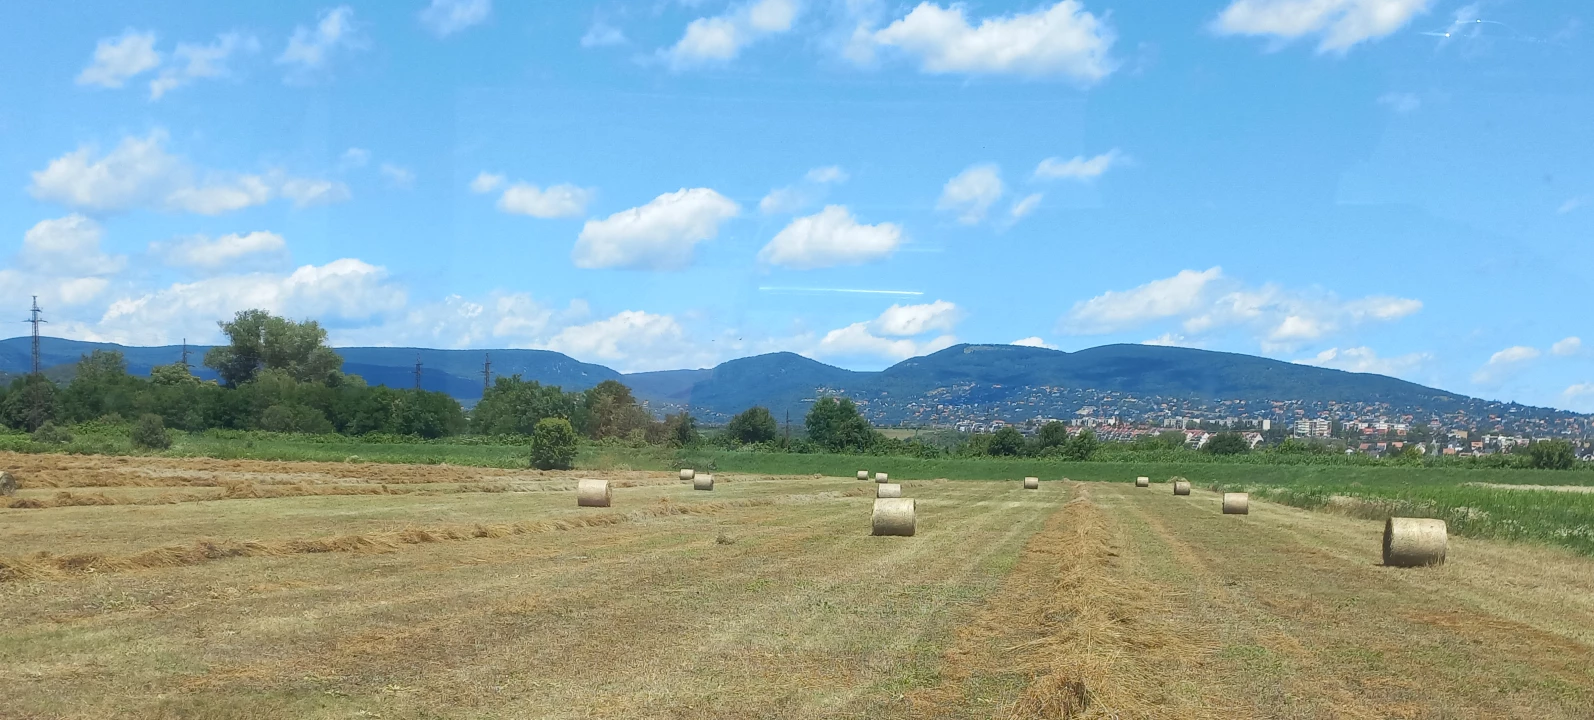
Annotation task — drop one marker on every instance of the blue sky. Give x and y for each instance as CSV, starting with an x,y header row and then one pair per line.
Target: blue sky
x,y
1393,186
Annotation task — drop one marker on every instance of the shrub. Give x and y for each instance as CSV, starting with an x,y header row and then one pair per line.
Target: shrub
x,y
553,444
1228,443
149,433
51,433
1549,455
1006,441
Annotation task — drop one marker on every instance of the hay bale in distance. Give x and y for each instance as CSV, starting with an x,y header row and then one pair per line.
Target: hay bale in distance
x,y
879,477
703,482
687,474
1032,483
1236,503
1414,542
1181,487
592,493
893,516
863,474
1142,481
888,490
8,484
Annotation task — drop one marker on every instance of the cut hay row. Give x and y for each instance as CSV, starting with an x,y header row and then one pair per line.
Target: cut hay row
x,y
242,491
47,566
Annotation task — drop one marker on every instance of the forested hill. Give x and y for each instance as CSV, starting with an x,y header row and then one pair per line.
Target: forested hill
x,y
987,376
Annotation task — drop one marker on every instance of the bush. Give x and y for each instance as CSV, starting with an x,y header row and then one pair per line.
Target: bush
x,y
149,433
1006,441
1227,443
553,444
51,433
1549,455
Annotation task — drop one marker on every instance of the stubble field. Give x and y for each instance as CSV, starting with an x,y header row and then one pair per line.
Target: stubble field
x,y
193,588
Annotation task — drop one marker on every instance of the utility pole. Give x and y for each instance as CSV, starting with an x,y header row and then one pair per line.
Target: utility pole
x,y
35,319
186,366
788,426
487,373
417,371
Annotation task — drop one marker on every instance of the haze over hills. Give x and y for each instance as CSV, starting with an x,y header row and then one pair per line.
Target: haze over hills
x,y
996,381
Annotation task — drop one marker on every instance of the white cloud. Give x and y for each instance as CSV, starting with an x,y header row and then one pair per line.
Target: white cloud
x,y
1024,206
228,252
892,334
827,175
556,201
1033,341
308,192
398,175
783,200
354,158
1503,364
192,62
602,35
309,49
120,58
1170,340
1575,394
1400,102
659,235
1208,301
446,17
1572,204
486,182
971,193
1366,360
910,320
1567,346
631,336
812,189
828,238
1078,167
1061,41
67,246
1342,23
721,38
498,320
221,194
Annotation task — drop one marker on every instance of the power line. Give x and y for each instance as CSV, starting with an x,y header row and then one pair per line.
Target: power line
x,y
185,356
417,371
487,372
35,319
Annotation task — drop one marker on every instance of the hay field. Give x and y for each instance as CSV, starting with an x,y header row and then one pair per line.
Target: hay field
x,y
193,588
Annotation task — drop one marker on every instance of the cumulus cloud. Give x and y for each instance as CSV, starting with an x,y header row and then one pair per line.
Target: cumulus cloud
x,y
1502,365
309,192
446,17
192,62
1365,360
901,332
1567,347
721,38
829,238
139,173
398,175
1063,41
500,319
310,49
812,189
120,58
1579,395
1033,341
228,252
972,193
1341,24
630,336
486,182
1208,301
1078,167
526,199
909,320
354,158
657,236
67,246
1024,206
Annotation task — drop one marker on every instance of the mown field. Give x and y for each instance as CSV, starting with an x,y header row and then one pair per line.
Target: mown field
x,y
220,588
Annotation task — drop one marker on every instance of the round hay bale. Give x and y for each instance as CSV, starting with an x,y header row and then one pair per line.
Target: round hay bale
x,y
8,484
1032,483
893,516
703,482
863,474
592,493
1181,487
1236,503
687,474
879,477
1142,481
1414,542
888,490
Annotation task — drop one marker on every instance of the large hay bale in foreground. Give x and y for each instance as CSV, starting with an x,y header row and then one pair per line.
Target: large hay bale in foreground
x,y
879,477
1142,481
1414,542
8,484
703,482
863,474
1032,483
893,516
592,493
687,474
1181,487
888,490
1236,503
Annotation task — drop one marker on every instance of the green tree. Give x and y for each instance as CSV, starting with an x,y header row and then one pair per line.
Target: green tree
x,y
149,433
513,406
1007,441
1552,455
1173,439
1052,434
259,340
835,425
30,402
753,425
173,374
1226,443
612,412
1082,445
100,386
553,444
680,430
